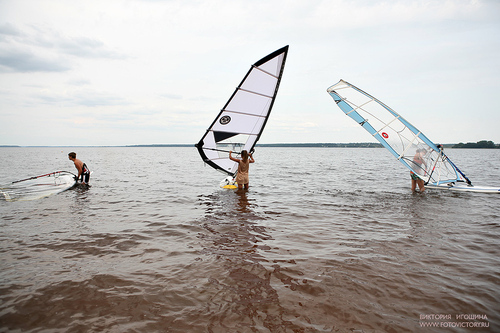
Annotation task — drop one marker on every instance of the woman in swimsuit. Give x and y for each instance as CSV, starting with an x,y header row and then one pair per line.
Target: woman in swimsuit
x,y
243,166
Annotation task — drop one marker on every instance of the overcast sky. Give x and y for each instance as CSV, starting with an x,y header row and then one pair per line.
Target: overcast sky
x,y
152,72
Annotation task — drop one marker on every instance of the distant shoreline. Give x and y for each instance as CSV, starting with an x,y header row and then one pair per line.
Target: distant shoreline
x,y
283,145
277,145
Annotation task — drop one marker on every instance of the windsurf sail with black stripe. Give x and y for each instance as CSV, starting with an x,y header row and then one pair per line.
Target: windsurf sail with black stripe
x,y
38,186
403,140
240,123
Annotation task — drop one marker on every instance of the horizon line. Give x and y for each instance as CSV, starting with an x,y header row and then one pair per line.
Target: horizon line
x,y
290,144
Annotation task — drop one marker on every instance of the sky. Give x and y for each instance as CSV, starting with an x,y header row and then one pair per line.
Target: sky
x,y
127,72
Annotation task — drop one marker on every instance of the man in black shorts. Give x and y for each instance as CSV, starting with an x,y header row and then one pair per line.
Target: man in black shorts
x,y
83,170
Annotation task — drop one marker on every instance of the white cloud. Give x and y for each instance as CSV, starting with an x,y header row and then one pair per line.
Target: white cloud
x,y
12,60
28,49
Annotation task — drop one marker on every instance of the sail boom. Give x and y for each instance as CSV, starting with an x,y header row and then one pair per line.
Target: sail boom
x,y
241,133
408,146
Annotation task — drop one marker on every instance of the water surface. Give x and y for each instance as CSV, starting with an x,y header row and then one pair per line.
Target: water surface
x,y
325,240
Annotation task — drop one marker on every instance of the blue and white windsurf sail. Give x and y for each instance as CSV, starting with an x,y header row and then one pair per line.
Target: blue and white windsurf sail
x,y
405,142
240,123
37,187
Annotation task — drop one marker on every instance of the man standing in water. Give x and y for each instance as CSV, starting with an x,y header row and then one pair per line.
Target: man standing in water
x,y
420,165
83,171
243,166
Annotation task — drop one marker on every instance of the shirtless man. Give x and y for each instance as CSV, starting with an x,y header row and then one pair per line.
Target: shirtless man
x,y
83,171
420,165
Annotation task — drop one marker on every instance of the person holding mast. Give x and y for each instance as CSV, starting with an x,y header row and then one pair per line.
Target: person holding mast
x,y
243,166
420,165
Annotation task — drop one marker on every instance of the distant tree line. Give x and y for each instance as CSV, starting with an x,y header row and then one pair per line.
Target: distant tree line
x,y
479,144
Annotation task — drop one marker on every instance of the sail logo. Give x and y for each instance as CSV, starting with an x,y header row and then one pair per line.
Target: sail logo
x,y
225,120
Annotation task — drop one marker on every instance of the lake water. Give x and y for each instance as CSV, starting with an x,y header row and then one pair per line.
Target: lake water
x,y
325,240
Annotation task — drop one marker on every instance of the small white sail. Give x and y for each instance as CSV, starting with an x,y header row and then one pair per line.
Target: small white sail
x,y
38,186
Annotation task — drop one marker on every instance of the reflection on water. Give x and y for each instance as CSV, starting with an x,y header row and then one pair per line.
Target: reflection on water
x,y
246,297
